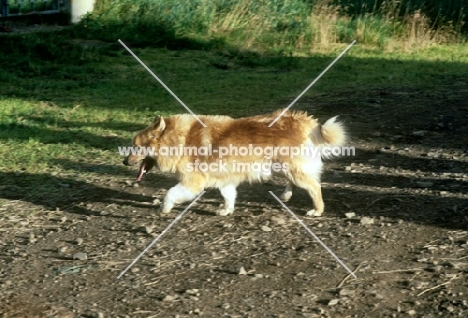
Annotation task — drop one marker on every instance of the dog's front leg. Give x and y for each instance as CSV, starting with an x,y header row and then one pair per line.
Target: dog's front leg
x,y
229,194
177,195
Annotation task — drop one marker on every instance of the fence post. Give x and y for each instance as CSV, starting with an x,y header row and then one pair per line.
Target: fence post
x,y
4,10
77,8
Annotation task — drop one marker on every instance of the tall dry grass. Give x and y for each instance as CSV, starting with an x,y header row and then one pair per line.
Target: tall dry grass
x,y
278,25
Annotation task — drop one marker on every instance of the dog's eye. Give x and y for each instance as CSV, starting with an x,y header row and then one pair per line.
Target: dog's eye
x,y
153,137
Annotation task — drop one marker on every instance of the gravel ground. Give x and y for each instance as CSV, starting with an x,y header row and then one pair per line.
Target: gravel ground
x,y
396,215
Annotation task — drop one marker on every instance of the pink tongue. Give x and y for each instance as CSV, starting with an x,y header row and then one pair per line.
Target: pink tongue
x,y
142,170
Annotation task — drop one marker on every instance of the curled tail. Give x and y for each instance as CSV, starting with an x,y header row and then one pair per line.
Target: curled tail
x,y
332,133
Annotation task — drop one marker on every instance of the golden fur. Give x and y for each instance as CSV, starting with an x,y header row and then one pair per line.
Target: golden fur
x,y
293,129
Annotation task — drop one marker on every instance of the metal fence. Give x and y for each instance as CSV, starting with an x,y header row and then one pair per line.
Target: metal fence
x,y
27,7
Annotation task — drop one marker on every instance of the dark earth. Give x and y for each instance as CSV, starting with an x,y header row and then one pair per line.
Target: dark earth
x,y
396,214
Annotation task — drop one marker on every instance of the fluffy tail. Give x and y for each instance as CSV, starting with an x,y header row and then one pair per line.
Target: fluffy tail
x,y
332,133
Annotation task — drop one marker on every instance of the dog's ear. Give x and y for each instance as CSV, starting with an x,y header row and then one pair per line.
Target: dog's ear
x,y
159,123
157,127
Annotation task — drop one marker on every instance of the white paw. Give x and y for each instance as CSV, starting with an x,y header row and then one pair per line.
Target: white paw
x,y
313,212
224,212
285,196
165,209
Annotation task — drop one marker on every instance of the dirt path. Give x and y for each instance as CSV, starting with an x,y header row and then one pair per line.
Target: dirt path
x,y
396,213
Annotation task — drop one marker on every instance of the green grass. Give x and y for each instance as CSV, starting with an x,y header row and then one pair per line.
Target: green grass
x,y
278,25
65,111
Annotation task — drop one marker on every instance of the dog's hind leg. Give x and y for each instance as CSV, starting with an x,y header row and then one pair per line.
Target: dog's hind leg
x,y
313,187
287,193
315,192
229,194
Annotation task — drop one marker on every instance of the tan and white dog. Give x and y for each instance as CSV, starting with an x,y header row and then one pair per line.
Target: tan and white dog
x,y
230,151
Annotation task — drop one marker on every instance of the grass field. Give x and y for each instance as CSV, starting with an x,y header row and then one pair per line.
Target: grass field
x,y
279,26
68,102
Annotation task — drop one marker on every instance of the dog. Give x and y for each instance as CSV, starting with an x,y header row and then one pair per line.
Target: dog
x,y
230,151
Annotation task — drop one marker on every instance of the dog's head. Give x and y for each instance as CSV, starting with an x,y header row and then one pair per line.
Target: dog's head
x,y
146,145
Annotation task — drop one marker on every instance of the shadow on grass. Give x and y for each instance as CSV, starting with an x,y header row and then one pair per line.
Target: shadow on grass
x,y
45,135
